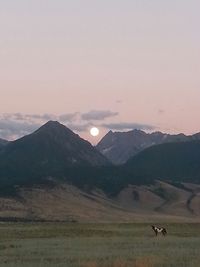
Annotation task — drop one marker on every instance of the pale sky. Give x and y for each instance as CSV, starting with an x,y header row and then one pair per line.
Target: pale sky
x,y
113,64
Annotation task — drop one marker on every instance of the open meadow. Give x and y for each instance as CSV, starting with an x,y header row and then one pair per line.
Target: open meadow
x,y
98,245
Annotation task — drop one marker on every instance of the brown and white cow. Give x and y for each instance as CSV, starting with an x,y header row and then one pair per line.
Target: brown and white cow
x,y
159,230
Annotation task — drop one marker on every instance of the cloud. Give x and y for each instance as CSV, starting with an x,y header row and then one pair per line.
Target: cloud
x,y
16,125
17,116
161,111
98,115
68,117
28,117
127,126
11,130
79,127
43,117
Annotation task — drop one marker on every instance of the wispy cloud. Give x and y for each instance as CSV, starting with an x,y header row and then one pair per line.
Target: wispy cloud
x,y
11,130
68,117
98,115
161,111
79,127
42,117
28,117
16,125
127,126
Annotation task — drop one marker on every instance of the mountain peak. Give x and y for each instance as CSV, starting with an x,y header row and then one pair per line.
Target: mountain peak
x,y
110,133
50,151
54,128
120,146
52,125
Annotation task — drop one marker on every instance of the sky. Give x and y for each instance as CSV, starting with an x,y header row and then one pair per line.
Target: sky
x,y
117,65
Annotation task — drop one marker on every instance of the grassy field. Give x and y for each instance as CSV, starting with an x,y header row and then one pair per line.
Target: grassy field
x,y
98,245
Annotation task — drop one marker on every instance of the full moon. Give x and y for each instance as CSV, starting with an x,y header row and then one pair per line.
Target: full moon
x,y
94,131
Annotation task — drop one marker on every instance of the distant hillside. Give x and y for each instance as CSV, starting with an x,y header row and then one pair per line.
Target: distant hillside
x,y
3,143
169,162
48,152
158,202
118,147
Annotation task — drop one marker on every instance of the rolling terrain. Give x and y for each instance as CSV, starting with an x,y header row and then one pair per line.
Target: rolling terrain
x,y
158,202
54,175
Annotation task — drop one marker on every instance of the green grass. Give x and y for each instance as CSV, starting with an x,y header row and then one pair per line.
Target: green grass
x,y
98,245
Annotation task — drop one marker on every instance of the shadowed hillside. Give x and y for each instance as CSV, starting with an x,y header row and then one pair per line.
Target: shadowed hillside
x,y
3,143
51,151
64,202
171,162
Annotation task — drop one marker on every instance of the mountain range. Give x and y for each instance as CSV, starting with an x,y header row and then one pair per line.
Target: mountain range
x,y
53,174
119,147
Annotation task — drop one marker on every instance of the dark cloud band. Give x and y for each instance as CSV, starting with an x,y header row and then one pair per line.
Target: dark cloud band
x,y
16,125
98,115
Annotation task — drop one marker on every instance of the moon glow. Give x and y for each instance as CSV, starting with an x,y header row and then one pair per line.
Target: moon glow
x,y
94,131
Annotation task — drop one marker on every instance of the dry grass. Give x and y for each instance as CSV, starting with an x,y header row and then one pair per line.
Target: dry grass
x,y
142,262
67,203
98,245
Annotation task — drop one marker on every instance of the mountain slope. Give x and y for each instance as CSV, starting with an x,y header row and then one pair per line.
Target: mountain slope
x,y
63,202
53,174
118,147
48,152
3,142
172,161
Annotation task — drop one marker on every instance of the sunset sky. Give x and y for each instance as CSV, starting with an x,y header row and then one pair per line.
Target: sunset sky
x,y
113,64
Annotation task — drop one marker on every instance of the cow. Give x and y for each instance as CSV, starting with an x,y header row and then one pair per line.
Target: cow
x,y
159,230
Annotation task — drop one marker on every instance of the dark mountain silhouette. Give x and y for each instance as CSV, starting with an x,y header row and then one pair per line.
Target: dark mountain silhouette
x,y
53,174
48,152
174,163
167,162
55,152
118,147
3,142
